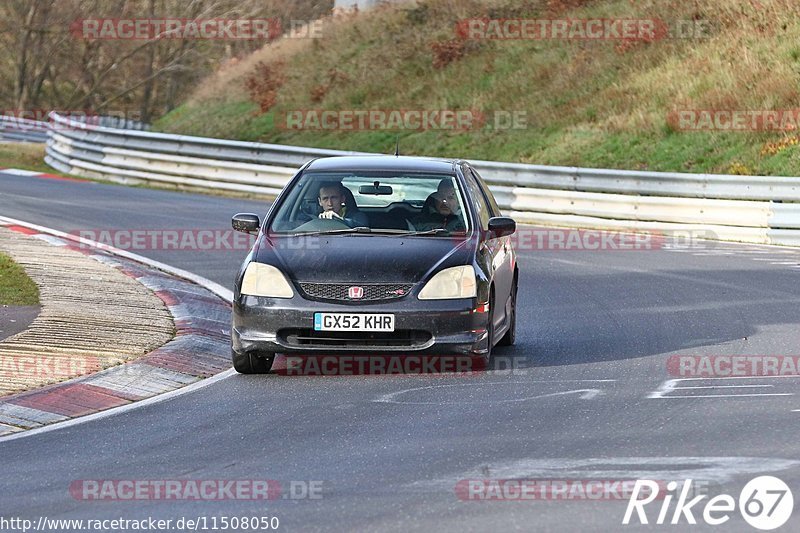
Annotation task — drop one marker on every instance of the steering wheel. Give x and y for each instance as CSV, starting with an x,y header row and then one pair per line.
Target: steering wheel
x,y
321,224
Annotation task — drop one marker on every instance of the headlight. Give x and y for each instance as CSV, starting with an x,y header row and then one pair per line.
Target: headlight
x,y
450,283
265,280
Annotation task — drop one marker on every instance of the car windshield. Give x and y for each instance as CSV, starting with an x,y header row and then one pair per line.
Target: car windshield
x,y
387,203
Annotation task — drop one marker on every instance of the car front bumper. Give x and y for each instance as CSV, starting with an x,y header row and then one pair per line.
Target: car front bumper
x,y
422,327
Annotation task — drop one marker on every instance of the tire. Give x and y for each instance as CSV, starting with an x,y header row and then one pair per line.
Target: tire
x,y
511,335
251,363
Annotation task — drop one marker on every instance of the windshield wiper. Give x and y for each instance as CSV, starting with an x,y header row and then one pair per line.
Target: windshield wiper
x,y
359,229
434,231
389,231
378,231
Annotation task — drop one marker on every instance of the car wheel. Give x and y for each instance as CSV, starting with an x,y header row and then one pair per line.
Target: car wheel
x,y
511,335
251,363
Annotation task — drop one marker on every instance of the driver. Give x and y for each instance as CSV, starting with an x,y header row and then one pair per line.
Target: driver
x,y
332,201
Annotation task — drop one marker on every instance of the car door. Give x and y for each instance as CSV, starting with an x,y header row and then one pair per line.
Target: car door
x,y
505,255
495,249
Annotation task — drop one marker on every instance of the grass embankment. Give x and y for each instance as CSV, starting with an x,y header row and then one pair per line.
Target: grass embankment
x,y
24,156
598,103
16,288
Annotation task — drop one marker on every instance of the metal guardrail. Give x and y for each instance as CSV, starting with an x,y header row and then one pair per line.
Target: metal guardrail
x,y
25,130
741,208
22,130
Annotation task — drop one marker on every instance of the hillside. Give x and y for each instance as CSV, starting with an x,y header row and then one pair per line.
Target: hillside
x,y
587,102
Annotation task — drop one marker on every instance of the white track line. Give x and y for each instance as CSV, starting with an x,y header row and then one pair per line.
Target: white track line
x,y
755,252
216,288
18,172
711,254
722,387
121,409
726,395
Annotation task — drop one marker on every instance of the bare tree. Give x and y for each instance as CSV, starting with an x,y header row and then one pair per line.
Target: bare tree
x,y
47,61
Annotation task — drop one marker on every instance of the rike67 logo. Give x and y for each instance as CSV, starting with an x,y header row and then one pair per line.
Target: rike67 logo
x,y
765,503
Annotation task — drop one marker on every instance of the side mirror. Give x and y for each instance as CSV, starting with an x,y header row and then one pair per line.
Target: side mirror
x,y
500,227
246,222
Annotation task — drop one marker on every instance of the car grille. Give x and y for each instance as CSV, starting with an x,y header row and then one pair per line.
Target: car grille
x,y
339,292
304,337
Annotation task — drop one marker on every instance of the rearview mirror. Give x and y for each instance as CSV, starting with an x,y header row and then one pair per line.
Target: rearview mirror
x,y
501,226
372,190
246,222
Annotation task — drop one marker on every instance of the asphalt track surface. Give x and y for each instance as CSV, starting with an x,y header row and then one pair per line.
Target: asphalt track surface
x,y
595,330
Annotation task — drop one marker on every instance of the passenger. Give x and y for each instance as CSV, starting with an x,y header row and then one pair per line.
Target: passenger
x,y
332,200
441,210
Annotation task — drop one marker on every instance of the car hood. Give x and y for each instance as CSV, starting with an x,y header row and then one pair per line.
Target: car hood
x,y
362,258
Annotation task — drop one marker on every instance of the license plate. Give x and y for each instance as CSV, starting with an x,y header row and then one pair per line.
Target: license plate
x,y
352,322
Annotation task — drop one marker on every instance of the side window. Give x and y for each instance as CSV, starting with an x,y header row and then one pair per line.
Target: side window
x,y
487,193
477,198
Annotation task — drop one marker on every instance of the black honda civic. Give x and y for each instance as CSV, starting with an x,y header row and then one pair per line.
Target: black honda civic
x,y
384,255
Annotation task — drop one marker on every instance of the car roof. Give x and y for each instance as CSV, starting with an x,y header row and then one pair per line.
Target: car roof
x,y
383,162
